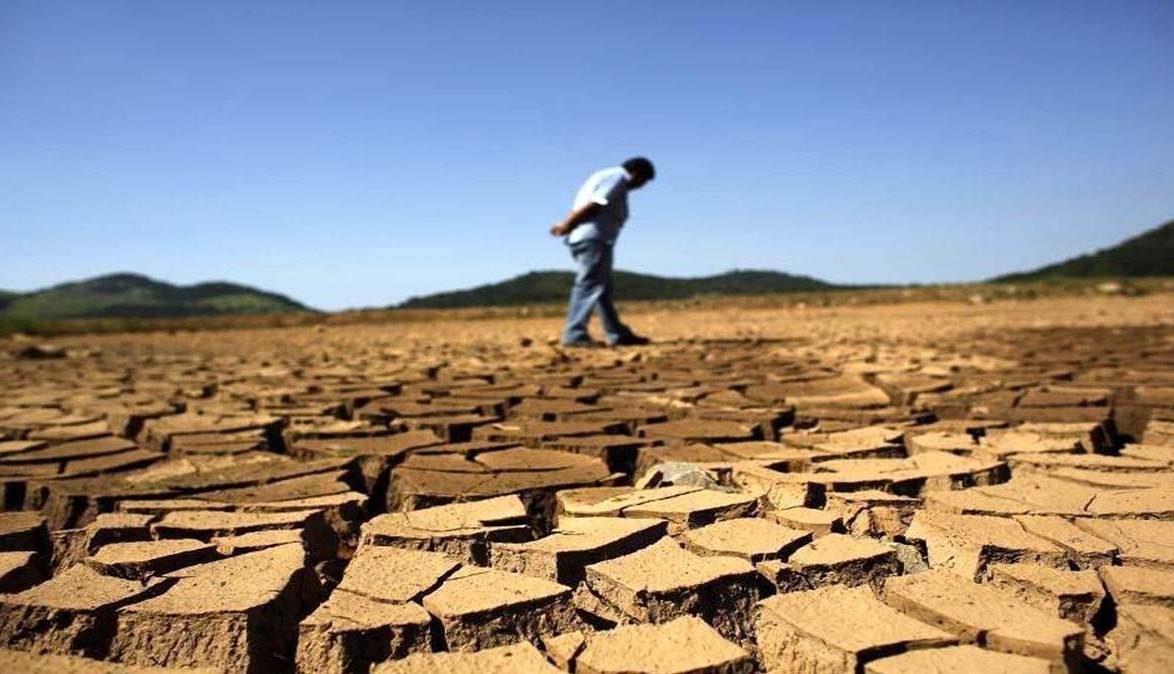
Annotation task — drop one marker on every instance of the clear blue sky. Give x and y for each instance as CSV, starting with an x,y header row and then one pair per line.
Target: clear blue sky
x,y
354,154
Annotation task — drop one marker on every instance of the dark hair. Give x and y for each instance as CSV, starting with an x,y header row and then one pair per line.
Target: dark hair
x,y
639,166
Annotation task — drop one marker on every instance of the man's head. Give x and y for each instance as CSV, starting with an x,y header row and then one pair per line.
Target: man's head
x,y
641,171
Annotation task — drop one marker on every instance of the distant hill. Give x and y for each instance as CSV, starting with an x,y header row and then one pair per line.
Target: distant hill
x,y
544,287
1148,254
137,296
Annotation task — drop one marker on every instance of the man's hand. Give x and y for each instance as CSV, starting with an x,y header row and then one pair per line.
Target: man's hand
x,y
574,219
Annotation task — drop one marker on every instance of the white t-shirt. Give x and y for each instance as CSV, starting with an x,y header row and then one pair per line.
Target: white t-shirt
x,y
609,189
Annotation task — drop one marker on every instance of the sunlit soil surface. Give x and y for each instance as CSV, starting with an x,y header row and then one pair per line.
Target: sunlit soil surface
x,y
914,487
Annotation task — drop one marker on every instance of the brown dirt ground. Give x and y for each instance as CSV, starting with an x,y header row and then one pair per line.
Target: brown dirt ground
x,y
904,487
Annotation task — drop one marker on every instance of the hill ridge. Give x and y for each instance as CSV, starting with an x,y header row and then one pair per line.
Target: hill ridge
x,y
1150,253
552,286
132,295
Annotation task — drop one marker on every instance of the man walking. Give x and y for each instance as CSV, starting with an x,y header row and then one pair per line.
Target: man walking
x,y
598,213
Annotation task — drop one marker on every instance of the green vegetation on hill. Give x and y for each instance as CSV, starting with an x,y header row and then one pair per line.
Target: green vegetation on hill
x,y
545,287
136,296
1148,254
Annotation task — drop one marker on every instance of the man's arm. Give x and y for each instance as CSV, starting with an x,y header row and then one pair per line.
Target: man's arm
x,y
574,219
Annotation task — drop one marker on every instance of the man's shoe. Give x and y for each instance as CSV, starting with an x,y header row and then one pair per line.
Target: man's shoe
x,y
583,344
631,339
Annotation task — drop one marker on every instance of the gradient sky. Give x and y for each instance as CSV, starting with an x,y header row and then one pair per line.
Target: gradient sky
x,y
354,154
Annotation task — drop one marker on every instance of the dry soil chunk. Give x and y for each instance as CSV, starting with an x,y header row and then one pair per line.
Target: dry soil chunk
x,y
117,528
1097,462
1006,443
23,531
72,613
344,511
204,524
835,630
617,451
1033,494
1141,542
239,614
347,633
482,608
773,455
701,430
71,451
72,546
461,530
1071,595
1148,503
1151,452
818,522
976,501
985,615
257,540
841,391
1084,549
1139,585
957,660
698,508
912,476
1110,480
577,542
780,490
395,575
520,658
940,441
1144,639
35,663
436,479
683,506
540,431
873,512
967,544
11,448
612,501
665,581
751,538
20,570
683,646
835,559
139,560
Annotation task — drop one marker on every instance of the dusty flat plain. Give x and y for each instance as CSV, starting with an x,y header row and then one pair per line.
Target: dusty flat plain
x,y
922,487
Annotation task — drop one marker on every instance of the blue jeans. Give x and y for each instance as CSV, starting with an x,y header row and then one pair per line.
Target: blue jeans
x,y
592,288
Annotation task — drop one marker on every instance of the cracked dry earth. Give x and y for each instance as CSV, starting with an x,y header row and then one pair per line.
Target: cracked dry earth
x,y
890,490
